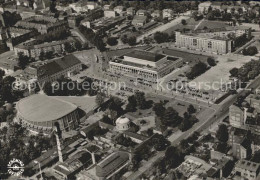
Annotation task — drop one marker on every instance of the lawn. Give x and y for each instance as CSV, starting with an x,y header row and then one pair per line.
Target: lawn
x,y
212,24
120,52
191,24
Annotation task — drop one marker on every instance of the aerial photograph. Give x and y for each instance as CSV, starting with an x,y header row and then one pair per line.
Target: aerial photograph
x,y
129,90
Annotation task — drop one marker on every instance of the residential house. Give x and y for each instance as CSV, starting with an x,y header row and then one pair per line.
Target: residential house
x,y
141,12
156,14
130,11
139,21
119,9
167,13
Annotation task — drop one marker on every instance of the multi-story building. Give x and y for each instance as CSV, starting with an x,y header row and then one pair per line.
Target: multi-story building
x,y
83,6
215,41
13,36
145,66
32,49
241,146
104,24
244,118
203,7
42,24
201,42
94,14
167,13
51,71
247,169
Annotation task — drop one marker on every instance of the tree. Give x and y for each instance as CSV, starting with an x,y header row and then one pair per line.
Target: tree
x,y
78,45
197,70
252,50
112,41
160,143
2,73
140,100
47,89
222,133
124,39
42,55
159,109
100,98
49,55
67,47
99,43
191,109
183,21
53,6
131,106
171,116
211,61
234,72
172,157
161,37
185,124
23,60
132,40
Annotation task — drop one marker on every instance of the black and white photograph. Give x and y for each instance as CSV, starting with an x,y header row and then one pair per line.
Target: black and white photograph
x,y
129,90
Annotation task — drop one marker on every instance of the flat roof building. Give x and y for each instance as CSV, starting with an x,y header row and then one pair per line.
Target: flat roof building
x,y
247,169
144,65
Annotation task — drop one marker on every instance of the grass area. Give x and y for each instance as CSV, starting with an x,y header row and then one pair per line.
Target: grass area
x,y
191,23
212,24
256,44
120,52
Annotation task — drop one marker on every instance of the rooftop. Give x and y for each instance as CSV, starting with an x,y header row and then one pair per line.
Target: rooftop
x,y
57,65
42,108
111,163
248,165
145,55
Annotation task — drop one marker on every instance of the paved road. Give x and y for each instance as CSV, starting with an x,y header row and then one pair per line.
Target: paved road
x,y
163,27
79,34
219,115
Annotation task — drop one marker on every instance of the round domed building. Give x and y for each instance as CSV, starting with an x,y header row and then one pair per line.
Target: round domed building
x,y
122,123
40,113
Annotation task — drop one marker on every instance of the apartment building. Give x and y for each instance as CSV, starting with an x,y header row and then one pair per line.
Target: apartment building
x,y
32,49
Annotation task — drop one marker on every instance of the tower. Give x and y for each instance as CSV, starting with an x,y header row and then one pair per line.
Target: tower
x,y
58,137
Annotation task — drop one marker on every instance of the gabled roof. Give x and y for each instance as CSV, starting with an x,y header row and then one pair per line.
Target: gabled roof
x,y
111,163
58,65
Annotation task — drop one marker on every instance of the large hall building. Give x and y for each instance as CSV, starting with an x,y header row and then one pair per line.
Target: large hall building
x,y
144,65
41,112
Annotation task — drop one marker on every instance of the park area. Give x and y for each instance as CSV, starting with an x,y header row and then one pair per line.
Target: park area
x,y
191,24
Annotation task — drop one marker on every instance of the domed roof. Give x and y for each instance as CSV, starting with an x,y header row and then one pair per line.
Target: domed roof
x,y
122,120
